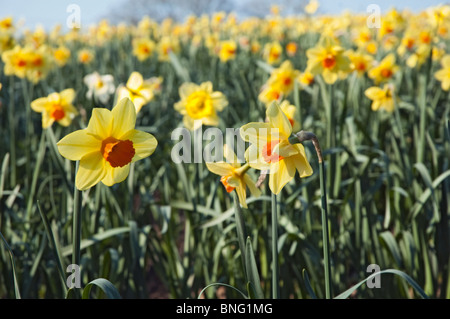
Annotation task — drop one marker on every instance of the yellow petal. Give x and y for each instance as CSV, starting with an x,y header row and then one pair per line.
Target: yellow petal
x,y
242,195
278,120
256,133
91,171
220,168
144,143
135,81
374,93
115,175
230,156
67,96
254,158
101,123
300,162
39,105
78,144
280,175
124,114
251,186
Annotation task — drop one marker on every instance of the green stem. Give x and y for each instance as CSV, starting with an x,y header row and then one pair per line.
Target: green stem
x,y
325,239
76,256
301,137
275,274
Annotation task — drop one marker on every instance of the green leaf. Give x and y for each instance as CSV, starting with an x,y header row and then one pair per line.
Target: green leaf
x,y
308,284
403,275
67,250
252,270
13,265
105,285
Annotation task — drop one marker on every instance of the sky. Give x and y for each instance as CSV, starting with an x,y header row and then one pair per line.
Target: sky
x,y
49,13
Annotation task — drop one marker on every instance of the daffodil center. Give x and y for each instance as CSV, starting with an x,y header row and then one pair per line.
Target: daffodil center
x,y
118,153
329,62
99,84
268,154
227,186
199,105
386,73
57,112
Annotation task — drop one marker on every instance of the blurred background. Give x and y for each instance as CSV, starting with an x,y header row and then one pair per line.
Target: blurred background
x,y
50,13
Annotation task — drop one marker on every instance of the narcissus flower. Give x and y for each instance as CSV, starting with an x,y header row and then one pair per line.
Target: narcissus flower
x,y
382,98
143,48
443,74
272,52
360,62
228,50
234,176
199,104
86,56
61,55
28,62
99,86
138,90
329,60
57,107
270,149
384,70
107,147
283,78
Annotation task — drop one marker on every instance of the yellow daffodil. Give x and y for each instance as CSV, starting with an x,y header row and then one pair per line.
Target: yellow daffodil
x,y
138,90
234,176
227,50
199,104
86,56
291,48
306,78
57,107
270,149
328,59
107,147
359,62
291,112
443,74
143,48
283,78
382,98
270,93
61,55
384,70
27,62
166,45
272,52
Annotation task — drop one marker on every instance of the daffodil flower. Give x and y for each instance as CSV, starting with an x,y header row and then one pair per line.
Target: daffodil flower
x,y
99,86
443,74
382,98
385,70
234,176
138,90
107,147
199,104
270,149
57,107
329,60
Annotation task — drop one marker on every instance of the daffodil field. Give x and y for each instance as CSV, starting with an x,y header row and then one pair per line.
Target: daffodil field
x,y
344,164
